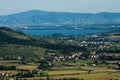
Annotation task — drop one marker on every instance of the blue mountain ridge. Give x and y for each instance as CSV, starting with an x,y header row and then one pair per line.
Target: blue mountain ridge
x,y
38,17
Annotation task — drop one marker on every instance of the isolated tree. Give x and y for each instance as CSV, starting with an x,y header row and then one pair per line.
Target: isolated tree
x,y
44,65
118,63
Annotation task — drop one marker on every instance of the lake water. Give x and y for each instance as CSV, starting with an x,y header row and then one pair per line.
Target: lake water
x,y
64,32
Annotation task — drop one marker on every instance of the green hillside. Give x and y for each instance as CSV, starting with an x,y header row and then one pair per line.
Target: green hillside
x,y
15,44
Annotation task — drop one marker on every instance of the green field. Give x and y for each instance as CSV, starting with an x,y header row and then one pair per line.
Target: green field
x,y
100,72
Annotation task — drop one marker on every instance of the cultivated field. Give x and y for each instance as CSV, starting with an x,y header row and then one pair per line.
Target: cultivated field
x,y
60,72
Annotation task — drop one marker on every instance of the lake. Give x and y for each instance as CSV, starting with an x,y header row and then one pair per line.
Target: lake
x,y
64,32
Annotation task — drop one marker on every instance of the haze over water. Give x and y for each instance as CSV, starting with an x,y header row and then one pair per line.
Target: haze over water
x,y
64,32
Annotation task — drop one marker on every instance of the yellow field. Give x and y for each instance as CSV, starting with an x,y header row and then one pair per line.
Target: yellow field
x,y
43,78
9,71
9,61
30,67
100,76
66,72
114,37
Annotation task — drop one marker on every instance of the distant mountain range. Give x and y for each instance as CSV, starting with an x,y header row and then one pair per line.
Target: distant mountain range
x,y
45,17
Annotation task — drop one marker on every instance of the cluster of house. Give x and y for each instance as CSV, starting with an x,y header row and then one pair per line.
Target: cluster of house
x,y
7,74
93,55
67,57
85,43
95,42
72,56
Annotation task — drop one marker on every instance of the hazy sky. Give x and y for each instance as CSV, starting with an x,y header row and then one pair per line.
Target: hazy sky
x,y
82,6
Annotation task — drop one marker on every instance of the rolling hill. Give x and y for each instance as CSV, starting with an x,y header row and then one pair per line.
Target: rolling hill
x,y
14,44
36,17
